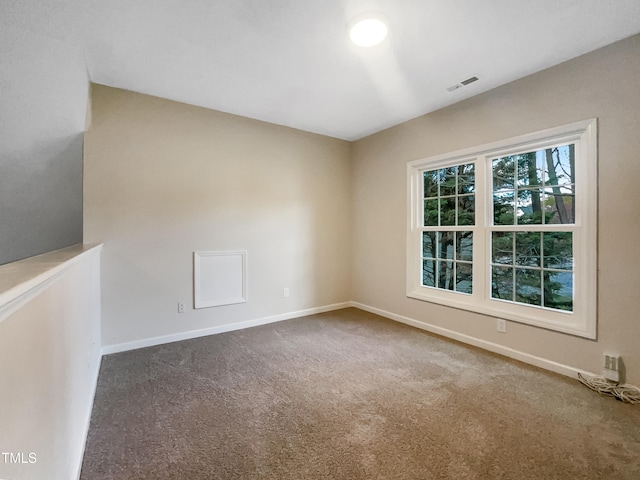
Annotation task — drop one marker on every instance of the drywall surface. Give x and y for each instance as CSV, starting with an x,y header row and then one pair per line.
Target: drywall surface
x,y
49,362
595,85
44,88
164,179
41,200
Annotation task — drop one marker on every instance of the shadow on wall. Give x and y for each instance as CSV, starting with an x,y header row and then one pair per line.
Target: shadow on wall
x,y
41,199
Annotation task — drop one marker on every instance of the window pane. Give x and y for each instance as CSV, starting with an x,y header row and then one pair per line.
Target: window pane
x,y
559,205
446,261
445,245
550,171
448,182
502,247
533,284
464,246
503,174
464,277
530,168
444,202
558,250
503,208
466,178
558,290
502,283
528,249
430,213
448,211
428,273
528,286
530,207
466,210
429,244
560,164
445,275
430,179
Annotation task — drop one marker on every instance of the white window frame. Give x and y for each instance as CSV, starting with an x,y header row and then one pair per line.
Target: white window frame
x,y
582,320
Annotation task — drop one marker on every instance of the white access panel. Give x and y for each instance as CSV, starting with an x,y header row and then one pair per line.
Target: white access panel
x,y
219,278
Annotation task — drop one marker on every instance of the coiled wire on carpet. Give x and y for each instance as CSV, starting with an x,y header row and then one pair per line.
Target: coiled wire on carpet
x,y
603,386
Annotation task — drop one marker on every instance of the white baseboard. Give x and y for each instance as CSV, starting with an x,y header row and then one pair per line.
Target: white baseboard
x,y
477,342
175,337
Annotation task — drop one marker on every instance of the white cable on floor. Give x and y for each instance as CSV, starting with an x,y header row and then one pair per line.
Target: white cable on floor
x,y
603,386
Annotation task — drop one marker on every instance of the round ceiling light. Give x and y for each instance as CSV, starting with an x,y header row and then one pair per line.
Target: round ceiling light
x,y
368,32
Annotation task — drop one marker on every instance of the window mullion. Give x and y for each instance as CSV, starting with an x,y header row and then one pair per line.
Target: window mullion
x,y
480,244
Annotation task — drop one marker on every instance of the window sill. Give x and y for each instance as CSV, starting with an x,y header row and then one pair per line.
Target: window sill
x,y
563,322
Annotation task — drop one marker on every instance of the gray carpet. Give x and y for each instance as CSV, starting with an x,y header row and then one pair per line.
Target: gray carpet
x,y
348,395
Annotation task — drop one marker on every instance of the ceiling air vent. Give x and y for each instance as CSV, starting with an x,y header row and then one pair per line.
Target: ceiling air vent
x,y
463,83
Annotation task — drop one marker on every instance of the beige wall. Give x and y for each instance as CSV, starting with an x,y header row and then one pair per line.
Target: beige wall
x,y
49,361
164,179
601,84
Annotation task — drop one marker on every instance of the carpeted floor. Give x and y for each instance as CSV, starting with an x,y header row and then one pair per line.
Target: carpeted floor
x,y
348,395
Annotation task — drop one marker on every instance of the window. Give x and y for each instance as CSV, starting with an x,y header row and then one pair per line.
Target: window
x,y
449,202
509,229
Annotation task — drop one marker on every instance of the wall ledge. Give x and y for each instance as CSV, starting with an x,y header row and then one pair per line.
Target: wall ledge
x,y
23,280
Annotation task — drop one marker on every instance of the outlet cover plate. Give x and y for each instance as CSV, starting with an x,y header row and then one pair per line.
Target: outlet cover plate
x,y
501,325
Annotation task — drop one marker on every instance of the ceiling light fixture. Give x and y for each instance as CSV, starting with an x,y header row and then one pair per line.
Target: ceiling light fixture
x,y
368,31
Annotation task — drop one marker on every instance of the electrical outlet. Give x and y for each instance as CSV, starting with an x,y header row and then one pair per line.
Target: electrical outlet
x,y
180,307
501,325
611,362
285,292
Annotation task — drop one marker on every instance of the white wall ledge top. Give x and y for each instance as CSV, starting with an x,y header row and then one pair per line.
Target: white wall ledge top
x,y
22,280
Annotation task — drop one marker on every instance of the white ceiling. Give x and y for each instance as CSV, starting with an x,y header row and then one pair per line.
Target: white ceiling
x,y
290,62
